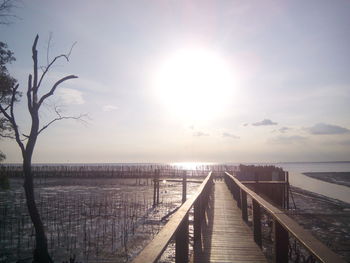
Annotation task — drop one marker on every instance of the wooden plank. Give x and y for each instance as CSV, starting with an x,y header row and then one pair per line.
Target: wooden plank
x,y
263,182
225,237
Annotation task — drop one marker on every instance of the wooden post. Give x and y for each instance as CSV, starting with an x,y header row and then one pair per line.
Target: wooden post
x,y
181,239
281,243
154,190
244,206
287,190
197,219
257,223
158,191
204,201
238,194
184,187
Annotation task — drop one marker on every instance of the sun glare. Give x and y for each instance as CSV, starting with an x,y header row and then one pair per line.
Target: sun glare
x,y
194,84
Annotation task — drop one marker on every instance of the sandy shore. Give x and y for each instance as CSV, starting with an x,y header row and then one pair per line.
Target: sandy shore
x,y
327,219
341,178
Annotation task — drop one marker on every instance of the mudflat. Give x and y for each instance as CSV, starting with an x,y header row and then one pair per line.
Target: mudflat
x,y
341,178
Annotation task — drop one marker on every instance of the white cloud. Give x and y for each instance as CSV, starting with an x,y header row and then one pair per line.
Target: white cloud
x,y
109,108
288,139
200,134
229,135
326,129
70,96
282,130
264,122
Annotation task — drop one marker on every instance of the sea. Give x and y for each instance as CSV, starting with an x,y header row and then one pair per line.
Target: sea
x,y
298,179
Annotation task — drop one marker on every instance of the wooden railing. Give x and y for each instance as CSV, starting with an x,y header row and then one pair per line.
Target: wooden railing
x,y
177,227
283,225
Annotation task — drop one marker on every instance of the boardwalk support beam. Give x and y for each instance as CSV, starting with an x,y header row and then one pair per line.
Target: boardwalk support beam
x,y
257,223
184,187
244,206
197,217
281,243
181,242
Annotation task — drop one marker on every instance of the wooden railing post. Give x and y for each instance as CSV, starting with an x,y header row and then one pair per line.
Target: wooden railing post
x,y
257,223
281,243
184,187
154,191
156,188
158,174
181,242
238,194
244,205
197,218
287,190
158,191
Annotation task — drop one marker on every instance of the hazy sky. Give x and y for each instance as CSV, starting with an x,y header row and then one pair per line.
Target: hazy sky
x,y
171,81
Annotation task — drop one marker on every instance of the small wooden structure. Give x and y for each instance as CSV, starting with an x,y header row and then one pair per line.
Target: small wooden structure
x,y
268,181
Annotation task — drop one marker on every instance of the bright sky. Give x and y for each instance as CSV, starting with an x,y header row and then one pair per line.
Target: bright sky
x,y
172,81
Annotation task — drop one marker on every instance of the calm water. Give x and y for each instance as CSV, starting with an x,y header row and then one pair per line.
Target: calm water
x,y
296,178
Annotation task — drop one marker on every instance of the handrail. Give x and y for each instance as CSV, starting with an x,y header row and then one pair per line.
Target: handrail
x,y
285,223
179,221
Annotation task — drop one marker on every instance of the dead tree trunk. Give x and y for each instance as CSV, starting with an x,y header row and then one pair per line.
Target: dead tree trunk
x,y
41,254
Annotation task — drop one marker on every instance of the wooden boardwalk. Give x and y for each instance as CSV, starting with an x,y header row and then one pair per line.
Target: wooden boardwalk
x,y
225,236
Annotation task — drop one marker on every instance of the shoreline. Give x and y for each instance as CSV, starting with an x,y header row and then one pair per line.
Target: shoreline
x,y
340,178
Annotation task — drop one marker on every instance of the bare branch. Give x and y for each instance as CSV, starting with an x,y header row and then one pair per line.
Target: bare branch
x,y
47,52
47,68
4,111
11,118
14,124
7,136
29,94
52,91
71,49
35,68
49,65
59,118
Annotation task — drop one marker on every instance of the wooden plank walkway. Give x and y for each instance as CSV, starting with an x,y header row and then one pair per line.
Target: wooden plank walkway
x,y
225,236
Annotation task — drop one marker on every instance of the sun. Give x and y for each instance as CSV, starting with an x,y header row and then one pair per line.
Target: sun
x,y
194,83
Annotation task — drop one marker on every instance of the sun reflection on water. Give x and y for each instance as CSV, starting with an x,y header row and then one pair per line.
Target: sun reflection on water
x,y
191,165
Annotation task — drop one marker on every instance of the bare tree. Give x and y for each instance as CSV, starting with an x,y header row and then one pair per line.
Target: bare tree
x,y
26,142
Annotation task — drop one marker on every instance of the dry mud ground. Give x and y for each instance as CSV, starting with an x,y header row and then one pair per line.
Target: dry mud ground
x,y
98,220
327,219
